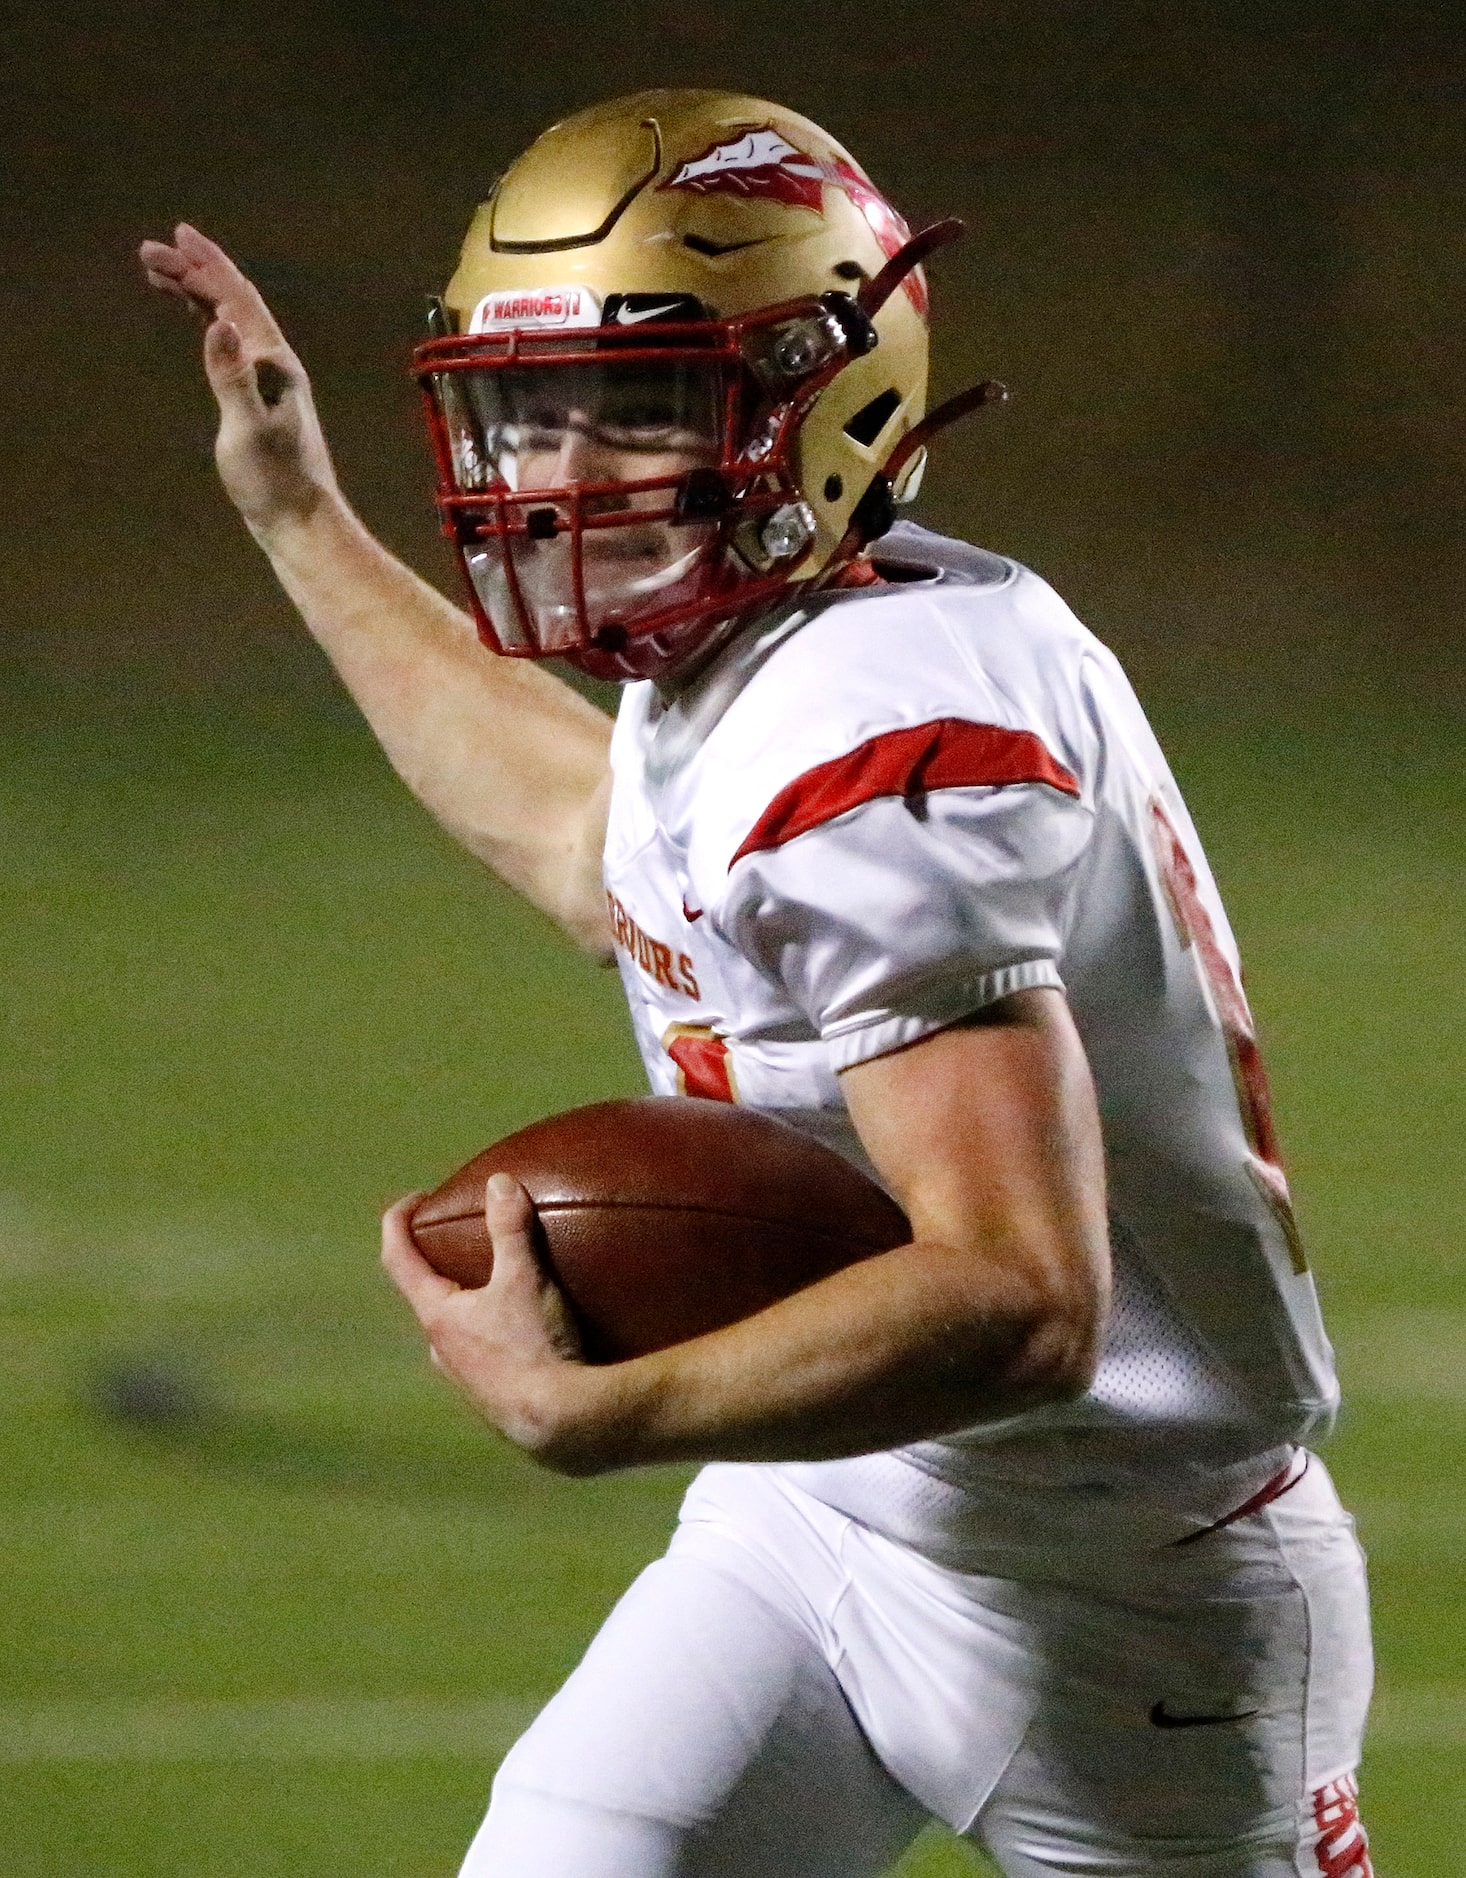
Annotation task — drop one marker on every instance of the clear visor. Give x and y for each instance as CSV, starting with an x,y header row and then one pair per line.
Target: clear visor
x,y
607,443
600,420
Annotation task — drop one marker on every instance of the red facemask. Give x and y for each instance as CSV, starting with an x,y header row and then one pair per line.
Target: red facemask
x,y
617,492
614,494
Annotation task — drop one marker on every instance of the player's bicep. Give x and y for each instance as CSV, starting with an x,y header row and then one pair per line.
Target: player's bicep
x,y
988,1134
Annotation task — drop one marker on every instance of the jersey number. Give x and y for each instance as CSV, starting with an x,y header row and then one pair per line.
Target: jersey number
x,y
1229,1002
704,1067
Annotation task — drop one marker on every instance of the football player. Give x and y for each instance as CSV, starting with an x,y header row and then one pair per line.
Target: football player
x,y
1015,1525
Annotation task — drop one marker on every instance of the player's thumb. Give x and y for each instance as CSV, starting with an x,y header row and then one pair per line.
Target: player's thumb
x,y
230,373
509,1214
519,1278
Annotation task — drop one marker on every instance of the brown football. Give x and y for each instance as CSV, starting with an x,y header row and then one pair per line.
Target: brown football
x,y
665,1217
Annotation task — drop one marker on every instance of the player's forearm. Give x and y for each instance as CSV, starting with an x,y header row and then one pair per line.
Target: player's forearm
x,y
510,761
910,1345
507,757
989,1134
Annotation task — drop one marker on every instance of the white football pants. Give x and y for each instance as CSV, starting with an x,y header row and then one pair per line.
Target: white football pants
x,y
788,1694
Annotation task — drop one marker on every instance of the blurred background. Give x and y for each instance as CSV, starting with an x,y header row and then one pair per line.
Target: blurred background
x,y
270,1603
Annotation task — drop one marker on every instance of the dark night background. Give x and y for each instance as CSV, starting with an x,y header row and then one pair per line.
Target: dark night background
x,y
1216,251
270,1604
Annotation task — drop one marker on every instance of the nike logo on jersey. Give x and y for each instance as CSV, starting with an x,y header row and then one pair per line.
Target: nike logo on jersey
x,y
1163,1718
690,913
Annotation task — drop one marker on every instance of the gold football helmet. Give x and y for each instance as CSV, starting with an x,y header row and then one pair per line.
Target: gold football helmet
x,y
679,371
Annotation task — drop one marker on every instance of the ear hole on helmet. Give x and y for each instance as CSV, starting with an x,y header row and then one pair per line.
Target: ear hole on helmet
x,y
849,270
871,419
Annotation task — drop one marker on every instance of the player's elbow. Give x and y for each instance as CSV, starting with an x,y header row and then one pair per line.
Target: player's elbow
x,y
578,908
1061,1357
1055,1354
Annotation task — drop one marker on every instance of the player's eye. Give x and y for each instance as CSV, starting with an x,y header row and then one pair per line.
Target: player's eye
x,y
642,424
542,425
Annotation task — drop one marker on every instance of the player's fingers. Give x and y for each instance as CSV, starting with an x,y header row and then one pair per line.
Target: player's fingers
x,y
210,279
167,271
162,253
212,275
425,1290
198,246
159,257
170,271
167,283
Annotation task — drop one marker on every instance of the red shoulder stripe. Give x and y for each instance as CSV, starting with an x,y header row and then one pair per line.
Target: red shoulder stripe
x,y
947,753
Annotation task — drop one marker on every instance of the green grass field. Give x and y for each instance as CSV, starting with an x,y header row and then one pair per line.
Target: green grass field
x,y
250,993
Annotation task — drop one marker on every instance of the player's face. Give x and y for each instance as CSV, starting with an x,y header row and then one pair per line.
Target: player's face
x,y
590,424
598,427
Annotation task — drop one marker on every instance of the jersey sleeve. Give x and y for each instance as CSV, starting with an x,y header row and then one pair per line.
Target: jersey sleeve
x,y
911,882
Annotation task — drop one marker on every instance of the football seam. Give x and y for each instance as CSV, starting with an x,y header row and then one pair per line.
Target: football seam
x,y
652,1206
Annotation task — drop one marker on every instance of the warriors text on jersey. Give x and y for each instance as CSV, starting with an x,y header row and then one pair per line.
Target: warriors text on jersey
x,y
873,817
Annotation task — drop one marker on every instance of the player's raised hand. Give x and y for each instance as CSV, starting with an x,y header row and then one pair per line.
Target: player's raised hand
x,y
270,449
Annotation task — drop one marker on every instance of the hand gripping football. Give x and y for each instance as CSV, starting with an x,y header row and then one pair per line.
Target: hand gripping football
x,y
666,1217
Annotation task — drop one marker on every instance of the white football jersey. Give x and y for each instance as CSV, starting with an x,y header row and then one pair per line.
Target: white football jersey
x,y
872,816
